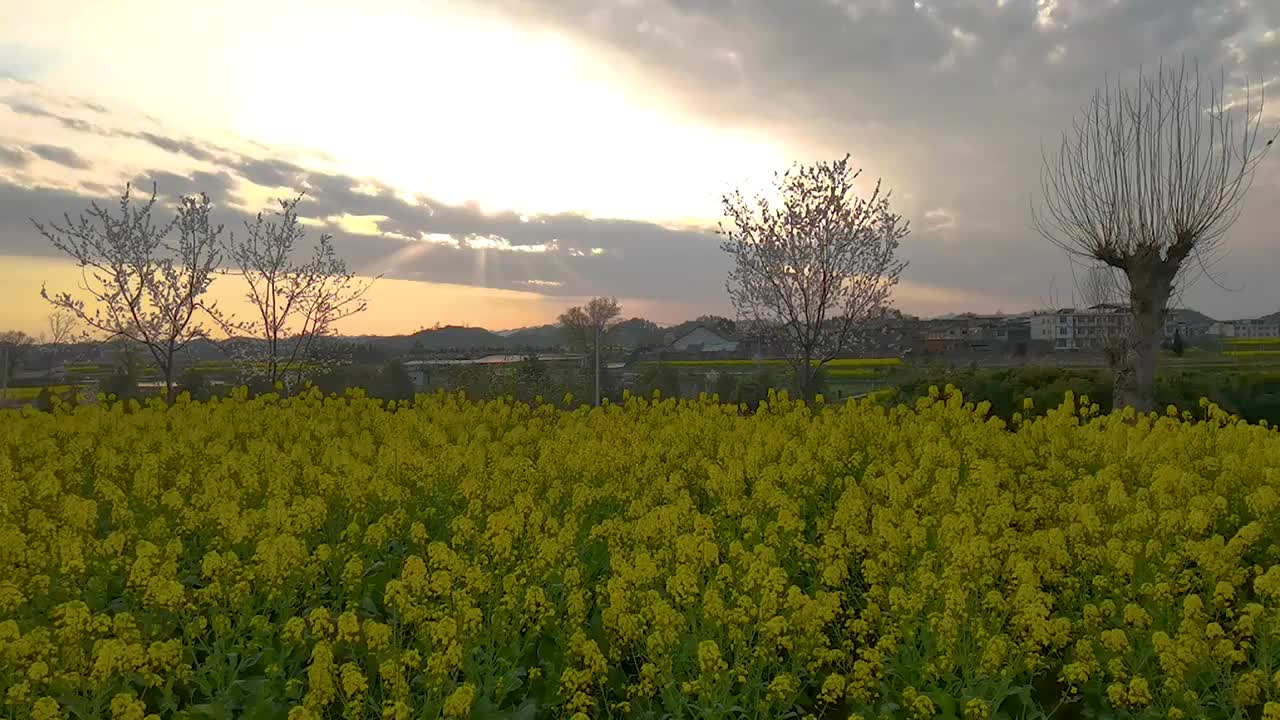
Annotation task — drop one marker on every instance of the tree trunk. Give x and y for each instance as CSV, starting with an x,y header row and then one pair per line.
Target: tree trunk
x,y
1124,382
1150,286
804,378
168,382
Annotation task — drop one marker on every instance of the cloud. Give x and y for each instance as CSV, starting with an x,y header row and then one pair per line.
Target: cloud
x,y
32,108
18,61
27,107
939,219
219,186
268,172
13,157
178,147
61,155
22,204
379,232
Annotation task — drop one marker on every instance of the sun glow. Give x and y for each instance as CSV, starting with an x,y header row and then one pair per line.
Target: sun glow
x,y
464,108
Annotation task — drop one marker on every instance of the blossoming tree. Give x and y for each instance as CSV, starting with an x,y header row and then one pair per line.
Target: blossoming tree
x,y
812,270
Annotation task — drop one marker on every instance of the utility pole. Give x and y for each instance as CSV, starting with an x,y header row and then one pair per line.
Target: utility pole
x,y
4,373
597,329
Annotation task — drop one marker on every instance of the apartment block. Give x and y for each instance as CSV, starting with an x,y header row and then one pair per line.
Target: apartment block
x,y
1259,328
1089,328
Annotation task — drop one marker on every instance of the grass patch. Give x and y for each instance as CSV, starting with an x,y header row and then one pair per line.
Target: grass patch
x,y
865,362
27,394
1252,353
1252,341
87,369
838,363
716,363
837,373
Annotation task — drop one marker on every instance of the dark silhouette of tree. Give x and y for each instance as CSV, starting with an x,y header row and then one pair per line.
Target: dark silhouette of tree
x,y
660,377
718,324
396,382
123,380
196,384
13,345
532,379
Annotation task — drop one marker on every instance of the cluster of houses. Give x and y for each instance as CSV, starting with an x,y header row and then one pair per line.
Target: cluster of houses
x,y
1061,330
967,335
1268,327
1069,329
1086,329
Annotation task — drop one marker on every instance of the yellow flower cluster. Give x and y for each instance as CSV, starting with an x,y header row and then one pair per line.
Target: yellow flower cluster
x,y
330,557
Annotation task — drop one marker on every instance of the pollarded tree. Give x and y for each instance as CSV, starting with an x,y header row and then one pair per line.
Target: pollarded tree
x,y
138,284
1147,181
813,271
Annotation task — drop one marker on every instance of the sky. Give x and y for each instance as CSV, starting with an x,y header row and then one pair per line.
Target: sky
x,y
496,161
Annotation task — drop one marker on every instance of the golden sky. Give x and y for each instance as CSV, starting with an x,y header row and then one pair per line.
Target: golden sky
x,y
433,97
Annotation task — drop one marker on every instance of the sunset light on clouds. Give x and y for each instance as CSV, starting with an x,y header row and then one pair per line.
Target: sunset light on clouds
x,y
498,161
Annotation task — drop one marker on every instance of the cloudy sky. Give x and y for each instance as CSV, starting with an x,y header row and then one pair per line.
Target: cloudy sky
x,y
499,160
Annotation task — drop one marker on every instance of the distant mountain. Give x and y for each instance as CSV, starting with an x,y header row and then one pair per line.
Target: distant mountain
x,y
450,338
453,337
1273,317
633,333
535,338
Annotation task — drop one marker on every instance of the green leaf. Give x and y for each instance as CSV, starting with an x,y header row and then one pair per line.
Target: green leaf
x,y
946,704
265,709
212,711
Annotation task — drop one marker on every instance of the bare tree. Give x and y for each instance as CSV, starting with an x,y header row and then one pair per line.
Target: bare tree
x,y
138,284
812,272
13,343
1147,181
63,327
586,327
295,301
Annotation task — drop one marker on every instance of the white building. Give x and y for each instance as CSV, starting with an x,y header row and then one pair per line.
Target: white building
x,y
1079,329
1245,329
1088,328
